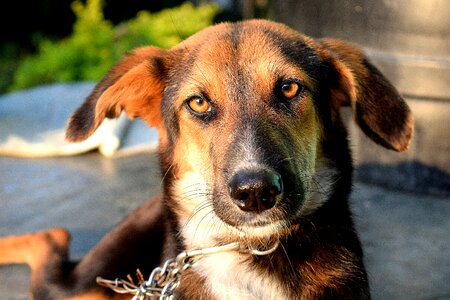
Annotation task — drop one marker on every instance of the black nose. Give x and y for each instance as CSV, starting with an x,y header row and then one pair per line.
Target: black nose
x,y
255,190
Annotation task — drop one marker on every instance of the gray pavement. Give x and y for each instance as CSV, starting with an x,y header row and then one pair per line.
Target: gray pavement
x,y
405,236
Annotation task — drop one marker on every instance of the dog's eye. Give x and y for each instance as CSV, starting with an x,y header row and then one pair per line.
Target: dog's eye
x,y
290,89
198,105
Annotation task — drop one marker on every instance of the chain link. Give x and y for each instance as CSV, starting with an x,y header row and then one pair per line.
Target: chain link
x,y
163,281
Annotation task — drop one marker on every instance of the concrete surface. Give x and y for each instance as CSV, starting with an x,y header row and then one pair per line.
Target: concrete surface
x,y
405,236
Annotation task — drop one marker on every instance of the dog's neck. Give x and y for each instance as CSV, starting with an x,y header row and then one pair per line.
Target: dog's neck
x,y
240,275
298,262
231,275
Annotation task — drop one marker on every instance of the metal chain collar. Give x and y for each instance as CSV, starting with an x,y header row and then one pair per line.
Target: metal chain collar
x,y
163,281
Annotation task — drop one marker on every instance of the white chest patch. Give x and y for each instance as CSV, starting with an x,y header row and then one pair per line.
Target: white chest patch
x,y
229,277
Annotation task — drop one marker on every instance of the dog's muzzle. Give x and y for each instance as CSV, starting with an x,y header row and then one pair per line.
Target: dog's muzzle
x,y
255,190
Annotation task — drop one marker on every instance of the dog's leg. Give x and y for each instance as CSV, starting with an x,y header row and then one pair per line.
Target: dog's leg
x,y
42,251
34,249
136,243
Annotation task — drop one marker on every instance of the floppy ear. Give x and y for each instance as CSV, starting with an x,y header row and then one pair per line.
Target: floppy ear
x,y
377,107
134,85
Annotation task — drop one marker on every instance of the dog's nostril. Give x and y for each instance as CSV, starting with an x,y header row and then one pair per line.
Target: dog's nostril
x,y
269,195
243,196
255,190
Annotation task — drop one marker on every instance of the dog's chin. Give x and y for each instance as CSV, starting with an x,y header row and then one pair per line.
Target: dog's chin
x,y
259,227
270,231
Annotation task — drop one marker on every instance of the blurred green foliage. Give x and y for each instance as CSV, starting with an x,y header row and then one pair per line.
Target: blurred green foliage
x,y
96,45
10,55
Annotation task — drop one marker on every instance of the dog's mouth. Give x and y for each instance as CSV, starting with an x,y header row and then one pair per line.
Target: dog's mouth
x,y
275,224
265,230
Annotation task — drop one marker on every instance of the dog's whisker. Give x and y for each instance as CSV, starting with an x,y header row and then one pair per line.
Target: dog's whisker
x,y
287,258
208,225
192,195
197,187
212,225
317,184
197,210
163,178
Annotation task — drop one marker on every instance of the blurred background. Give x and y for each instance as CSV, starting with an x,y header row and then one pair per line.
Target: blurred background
x,y
53,51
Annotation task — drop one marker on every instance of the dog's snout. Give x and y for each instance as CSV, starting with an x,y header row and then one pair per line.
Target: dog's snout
x,y
255,190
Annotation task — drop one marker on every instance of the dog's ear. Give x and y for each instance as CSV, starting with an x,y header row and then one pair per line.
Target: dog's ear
x,y
377,107
135,85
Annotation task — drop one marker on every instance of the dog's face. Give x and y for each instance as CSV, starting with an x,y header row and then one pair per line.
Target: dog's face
x,y
248,115
245,130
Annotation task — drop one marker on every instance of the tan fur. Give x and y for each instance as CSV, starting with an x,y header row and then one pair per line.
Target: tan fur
x,y
44,244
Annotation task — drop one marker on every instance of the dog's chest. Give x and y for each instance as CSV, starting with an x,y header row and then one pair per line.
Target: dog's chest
x,y
229,276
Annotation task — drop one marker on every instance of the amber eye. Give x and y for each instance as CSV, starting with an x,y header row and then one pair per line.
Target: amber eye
x,y
290,89
198,105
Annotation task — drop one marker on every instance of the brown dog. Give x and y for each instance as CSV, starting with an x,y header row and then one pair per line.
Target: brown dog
x,y
255,159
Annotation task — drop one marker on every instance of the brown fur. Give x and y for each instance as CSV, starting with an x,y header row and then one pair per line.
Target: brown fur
x,y
207,158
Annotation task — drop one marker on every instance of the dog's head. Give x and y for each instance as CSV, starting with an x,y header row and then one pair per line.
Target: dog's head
x,y
248,115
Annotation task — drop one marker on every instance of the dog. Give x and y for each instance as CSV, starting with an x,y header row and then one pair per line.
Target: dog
x,y
255,165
